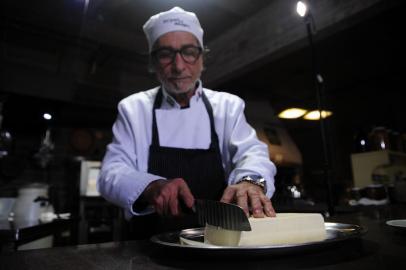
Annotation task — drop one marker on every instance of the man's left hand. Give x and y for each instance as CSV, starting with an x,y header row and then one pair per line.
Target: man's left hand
x,y
250,197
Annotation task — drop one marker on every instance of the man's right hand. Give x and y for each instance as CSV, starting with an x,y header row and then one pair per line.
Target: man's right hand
x,y
167,195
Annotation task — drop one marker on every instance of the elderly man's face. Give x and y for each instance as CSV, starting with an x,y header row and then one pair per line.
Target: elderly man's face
x,y
180,75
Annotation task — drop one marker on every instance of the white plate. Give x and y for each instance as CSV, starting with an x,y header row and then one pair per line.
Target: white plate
x,y
399,223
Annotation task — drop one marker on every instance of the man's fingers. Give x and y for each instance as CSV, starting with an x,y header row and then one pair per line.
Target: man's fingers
x,y
228,195
186,195
242,201
268,207
173,206
158,205
256,204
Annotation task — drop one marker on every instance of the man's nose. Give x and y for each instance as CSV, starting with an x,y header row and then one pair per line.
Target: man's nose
x,y
178,62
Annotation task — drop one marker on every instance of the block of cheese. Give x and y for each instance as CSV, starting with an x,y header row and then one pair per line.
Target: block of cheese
x,y
284,229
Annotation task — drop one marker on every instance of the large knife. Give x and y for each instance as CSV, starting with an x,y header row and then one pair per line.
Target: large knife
x,y
225,215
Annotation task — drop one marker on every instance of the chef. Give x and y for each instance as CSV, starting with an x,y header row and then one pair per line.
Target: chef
x,y
179,141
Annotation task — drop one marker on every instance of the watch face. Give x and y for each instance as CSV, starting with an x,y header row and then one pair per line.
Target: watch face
x,y
257,178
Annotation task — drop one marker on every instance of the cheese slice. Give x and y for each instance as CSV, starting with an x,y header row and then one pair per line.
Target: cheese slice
x,y
284,229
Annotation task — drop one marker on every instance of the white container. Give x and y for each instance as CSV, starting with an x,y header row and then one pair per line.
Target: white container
x,y
31,202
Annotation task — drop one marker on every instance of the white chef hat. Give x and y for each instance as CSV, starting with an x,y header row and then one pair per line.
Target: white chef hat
x,y
175,19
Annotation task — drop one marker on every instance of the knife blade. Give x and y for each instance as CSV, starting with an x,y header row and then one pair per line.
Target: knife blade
x,y
225,215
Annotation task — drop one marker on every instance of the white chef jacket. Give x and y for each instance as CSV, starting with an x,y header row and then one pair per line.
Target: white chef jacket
x,y
124,173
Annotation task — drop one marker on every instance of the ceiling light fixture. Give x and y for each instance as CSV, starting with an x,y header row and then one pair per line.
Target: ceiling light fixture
x,y
315,115
292,113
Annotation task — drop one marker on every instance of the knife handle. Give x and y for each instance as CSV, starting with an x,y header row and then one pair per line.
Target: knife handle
x,y
185,209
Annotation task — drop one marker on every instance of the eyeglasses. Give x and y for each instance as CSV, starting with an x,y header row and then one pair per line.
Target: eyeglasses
x,y
165,56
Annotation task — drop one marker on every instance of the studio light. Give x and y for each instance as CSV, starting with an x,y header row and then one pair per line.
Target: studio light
x,y
308,19
47,116
301,8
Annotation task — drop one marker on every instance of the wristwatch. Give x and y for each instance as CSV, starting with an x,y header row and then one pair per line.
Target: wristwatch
x,y
254,179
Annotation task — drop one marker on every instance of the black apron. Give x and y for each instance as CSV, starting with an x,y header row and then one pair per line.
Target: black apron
x,y
202,170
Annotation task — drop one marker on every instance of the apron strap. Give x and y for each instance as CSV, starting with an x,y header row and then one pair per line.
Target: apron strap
x,y
157,104
214,138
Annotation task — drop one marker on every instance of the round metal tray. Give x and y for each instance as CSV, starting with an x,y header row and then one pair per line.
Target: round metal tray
x,y
397,223
336,232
